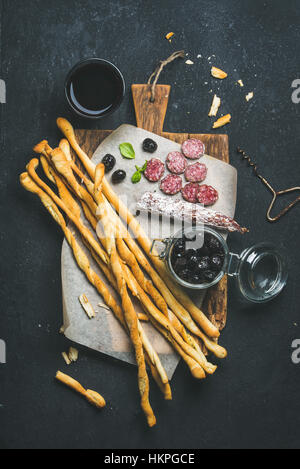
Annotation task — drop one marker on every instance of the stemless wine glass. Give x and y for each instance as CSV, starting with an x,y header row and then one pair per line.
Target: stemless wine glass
x,y
260,271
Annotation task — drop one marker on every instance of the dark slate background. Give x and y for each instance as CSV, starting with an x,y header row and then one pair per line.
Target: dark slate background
x,y
253,400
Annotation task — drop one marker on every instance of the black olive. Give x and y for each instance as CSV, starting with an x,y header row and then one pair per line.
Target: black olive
x,y
118,176
109,162
185,275
209,275
213,244
204,264
179,265
149,145
192,263
216,263
190,253
196,279
202,252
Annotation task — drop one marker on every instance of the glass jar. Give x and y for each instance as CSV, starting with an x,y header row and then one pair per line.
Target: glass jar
x,y
260,271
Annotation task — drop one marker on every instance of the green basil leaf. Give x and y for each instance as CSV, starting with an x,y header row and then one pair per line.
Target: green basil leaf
x,y
127,151
136,177
143,168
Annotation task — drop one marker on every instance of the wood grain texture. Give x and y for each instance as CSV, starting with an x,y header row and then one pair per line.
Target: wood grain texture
x,y
215,305
150,116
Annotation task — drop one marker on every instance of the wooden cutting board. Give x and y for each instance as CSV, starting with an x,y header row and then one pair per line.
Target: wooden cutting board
x,y
150,116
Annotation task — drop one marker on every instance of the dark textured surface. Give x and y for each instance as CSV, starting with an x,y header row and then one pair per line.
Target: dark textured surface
x,y
253,400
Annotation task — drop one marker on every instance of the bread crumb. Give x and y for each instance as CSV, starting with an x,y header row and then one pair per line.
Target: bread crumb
x,y
73,354
249,96
218,73
169,36
240,82
102,305
215,106
66,358
222,121
189,62
62,329
88,308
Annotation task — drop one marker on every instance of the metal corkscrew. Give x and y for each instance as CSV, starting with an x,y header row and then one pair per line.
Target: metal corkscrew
x,y
275,194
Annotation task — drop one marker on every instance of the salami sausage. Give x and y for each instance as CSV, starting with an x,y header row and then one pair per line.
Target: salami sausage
x,y
207,195
196,172
193,148
176,162
176,208
155,170
190,192
171,184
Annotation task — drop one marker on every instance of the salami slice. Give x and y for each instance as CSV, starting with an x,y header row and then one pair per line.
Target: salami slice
x,y
155,170
190,192
196,172
176,162
207,195
171,184
193,148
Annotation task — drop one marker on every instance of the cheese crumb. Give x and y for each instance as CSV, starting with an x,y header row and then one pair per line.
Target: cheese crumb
x,y
215,106
249,96
73,354
66,358
189,62
240,82
88,308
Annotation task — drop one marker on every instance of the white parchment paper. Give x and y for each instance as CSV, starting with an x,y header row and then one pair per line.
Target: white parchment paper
x,y
104,333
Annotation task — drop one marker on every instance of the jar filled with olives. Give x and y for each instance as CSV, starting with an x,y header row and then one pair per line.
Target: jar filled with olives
x,y
199,257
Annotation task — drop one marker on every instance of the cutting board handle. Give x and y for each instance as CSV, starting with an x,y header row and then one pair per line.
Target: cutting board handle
x,y
150,116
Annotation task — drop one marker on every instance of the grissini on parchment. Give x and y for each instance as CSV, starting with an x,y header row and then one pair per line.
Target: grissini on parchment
x,y
64,167
123,263
141,236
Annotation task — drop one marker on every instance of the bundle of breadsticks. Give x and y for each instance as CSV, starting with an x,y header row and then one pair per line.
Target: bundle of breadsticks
x,y
121,250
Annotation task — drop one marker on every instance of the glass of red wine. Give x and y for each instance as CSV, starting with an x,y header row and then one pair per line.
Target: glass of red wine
x,y
94,88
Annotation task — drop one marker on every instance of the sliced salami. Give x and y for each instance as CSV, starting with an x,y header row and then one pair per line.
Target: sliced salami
x,y
207,195
190,192
155,170
196,172
171,184
176,162
193,148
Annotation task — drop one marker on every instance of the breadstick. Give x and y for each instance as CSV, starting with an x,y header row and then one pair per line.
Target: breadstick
x,y
62,189
31,167
102,210
132,323
195,368
65,147
165,388
46,169
141,236
92,397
